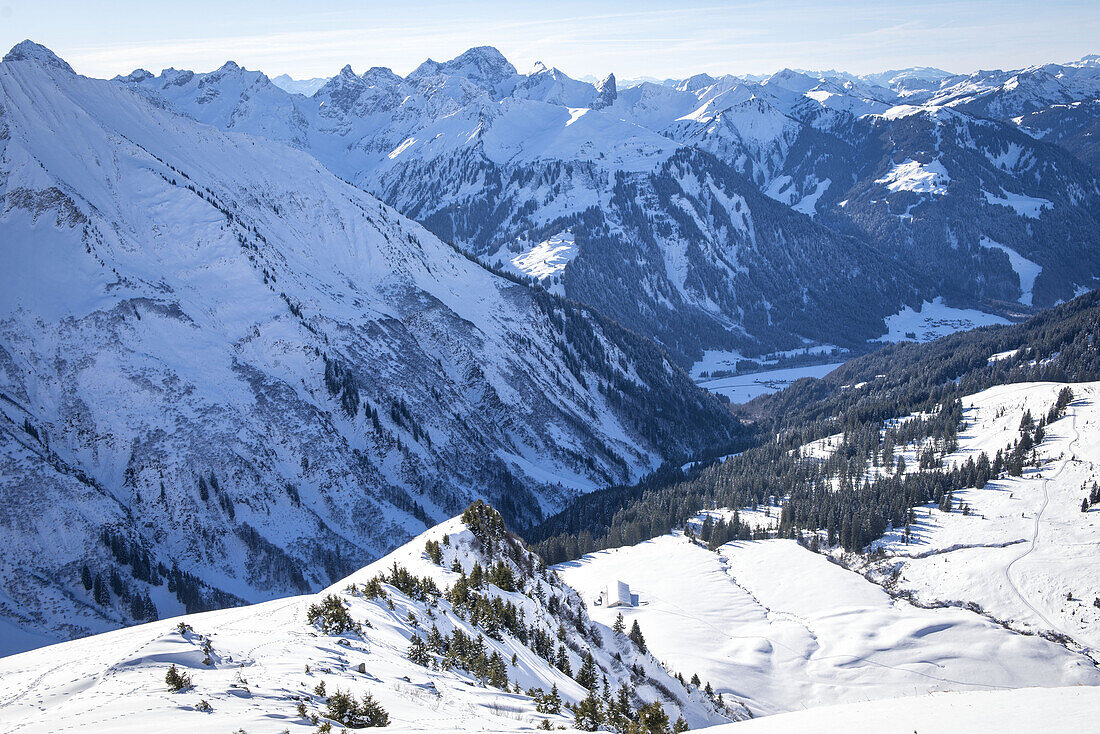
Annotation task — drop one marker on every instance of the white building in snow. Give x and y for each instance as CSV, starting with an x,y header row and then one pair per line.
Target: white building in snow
x,y
620,597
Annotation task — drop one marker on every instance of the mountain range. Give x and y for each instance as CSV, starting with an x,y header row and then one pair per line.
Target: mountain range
x,y
226,368
251,339
746,215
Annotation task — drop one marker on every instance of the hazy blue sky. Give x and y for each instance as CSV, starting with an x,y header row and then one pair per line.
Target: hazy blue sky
x,y
630,37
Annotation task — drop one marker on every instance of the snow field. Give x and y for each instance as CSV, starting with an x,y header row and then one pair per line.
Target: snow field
x,y
743,388
779,628
114,682
933,320
1025,545
1022,711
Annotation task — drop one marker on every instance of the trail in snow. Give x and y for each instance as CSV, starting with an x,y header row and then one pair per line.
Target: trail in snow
x,y
1035,533
1048,582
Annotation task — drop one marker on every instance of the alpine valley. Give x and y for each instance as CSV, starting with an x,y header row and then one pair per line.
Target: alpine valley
x,y
484,400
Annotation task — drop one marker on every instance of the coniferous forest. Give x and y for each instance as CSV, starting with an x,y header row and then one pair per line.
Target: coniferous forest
x,y
864,486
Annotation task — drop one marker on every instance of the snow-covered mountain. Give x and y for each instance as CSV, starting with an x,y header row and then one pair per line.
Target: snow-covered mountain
x,y
460,629
664,188
229,375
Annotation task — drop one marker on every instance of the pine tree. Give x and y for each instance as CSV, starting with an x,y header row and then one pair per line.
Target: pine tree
x,y
653,719
86,578
636,636
586,676
588,715
99,591
176,680
418,651
620,624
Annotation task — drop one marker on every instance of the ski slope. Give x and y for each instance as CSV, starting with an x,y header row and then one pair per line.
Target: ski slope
x,y
779,628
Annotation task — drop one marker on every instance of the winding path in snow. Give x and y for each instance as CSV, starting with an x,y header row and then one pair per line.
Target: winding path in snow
x,y
1035,534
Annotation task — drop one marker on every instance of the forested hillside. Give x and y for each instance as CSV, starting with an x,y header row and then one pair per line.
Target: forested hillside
x,y
862,485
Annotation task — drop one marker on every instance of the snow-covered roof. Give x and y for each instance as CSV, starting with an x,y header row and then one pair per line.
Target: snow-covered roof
x,y
621,595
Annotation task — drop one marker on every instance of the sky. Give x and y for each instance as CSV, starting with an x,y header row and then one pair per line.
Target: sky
x,y
632,38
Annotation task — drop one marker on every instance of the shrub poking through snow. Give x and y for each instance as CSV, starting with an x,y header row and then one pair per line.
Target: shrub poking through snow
x,y
176,680
332,616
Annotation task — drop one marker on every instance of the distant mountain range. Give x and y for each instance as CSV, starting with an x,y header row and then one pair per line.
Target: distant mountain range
x,y
738,214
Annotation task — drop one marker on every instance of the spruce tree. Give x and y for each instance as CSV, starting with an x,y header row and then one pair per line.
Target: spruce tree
x,y
636,636
586,675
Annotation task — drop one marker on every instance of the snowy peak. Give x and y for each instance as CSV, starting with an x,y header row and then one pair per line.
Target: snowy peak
x,y
606,93
381,76
482,66
36,53
305,87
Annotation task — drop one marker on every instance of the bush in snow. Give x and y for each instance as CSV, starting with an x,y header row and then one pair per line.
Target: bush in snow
x,y
332,616
176,680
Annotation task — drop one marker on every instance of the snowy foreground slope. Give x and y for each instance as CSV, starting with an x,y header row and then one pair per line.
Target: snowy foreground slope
x,y
265,660
1025,553
226,374
778,627
1022,711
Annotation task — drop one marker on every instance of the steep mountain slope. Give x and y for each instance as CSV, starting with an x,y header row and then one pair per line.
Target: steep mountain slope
x,y
669,242
229,375
979,207
494,647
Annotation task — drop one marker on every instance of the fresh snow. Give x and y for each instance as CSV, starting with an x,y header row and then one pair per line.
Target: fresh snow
x,y
1026,547
540,261
933,320
779,628
266,659
1026,206
1021,711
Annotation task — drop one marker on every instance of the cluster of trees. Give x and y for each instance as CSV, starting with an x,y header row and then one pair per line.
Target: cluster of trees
x,y
1093,498
605,710
714,534
142,566
332,616
349,712
461,651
